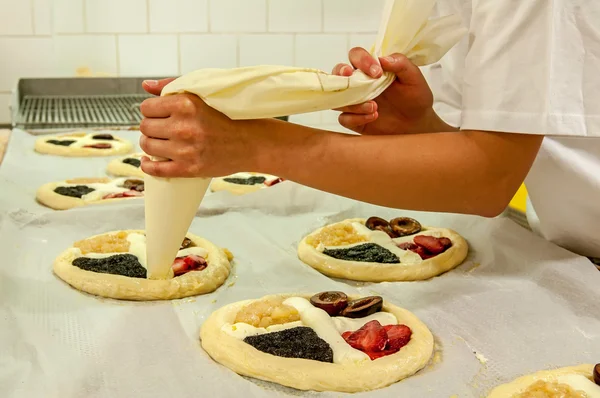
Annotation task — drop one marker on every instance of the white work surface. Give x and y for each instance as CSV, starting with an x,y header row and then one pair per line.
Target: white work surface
x,y
517,305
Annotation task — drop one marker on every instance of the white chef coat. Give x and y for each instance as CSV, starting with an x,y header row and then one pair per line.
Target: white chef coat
x,y
533,66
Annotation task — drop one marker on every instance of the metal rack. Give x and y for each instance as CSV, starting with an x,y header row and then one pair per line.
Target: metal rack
x,y
42,111
40,105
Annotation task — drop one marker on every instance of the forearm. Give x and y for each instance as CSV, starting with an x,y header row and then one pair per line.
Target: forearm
x,y
445,172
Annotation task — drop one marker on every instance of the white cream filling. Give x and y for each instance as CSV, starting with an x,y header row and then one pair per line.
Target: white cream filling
x,y
382,239
80,142
319,321
137,247
101,189
343,324
581,383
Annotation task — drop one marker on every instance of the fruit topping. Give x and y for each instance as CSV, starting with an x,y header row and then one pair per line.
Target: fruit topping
x,y
371,337
550,389
245,181
75,192
367,252
126,194
403,226
187,242
330,302
61,142
597,374
99,146
299,342
378,341
109,243
273,182
266,313
191,262
133,162
136,185
363,307
119,264
398,336
103,137
379,224
336,235
427,246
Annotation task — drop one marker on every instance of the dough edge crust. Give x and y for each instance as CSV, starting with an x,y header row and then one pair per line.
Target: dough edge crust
x,y
117,168
46,196
523,382
41,146
121,287
304,374
219,184
376,272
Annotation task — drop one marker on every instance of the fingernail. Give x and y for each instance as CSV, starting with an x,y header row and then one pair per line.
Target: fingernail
x,y
390,59
375,70
370,116
346,70
368,107
151,83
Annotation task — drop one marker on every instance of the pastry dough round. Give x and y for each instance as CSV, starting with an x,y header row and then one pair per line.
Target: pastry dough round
x,y
42,146
116,167
121,287
304,374
219,184
379,272
47,197
522,383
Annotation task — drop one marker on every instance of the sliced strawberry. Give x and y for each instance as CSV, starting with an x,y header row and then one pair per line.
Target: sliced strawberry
x,y
273,182
371,337
432,244
398,336
99,146
126,194
407,246
192,262
345,335
378,354
423,253
446,242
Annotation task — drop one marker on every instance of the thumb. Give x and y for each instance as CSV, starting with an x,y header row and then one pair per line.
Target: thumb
x,y
407,72
155,87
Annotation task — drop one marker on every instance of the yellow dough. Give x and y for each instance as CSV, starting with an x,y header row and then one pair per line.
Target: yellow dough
x,y
77,149
47,197
304,374
219,184
116,167
121,287
266,91
574,375
410,268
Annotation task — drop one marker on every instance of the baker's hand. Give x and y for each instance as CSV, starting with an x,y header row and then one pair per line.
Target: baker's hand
x,y
404,107
155,87
198,140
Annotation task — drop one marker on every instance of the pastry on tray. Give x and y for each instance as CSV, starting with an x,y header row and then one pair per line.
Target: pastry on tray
x,y
78,192
582,381
324,342
242,183
126,166
82,144
114,265
376,250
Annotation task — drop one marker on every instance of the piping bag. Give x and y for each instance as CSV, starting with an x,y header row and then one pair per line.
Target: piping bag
x,y
170,207
268,91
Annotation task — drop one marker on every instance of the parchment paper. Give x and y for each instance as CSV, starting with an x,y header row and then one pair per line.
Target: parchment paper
x,y
517,305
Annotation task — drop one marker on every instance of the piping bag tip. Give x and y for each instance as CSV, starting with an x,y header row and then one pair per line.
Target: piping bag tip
x,y
170,207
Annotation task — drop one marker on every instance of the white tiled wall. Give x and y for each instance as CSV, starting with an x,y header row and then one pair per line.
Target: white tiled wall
x,y
43,38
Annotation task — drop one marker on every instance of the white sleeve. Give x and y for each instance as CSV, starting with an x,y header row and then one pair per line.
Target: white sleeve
x,y
533,66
